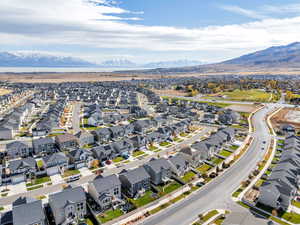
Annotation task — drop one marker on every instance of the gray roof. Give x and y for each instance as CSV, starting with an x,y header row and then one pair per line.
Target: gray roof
x,y
28,213
60,199
136,175
102,184
158,164
27,162
60,156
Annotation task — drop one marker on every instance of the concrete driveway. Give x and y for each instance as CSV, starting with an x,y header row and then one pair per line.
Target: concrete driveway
x,y
17,188
56,179
85,171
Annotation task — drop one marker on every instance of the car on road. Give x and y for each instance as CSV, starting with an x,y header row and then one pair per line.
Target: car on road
x,y
200,184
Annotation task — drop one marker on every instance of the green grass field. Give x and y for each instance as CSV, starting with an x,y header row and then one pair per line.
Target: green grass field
x,y
252,95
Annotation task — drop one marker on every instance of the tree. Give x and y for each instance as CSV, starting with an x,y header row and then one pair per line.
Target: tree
x,y
95,163
274,212
201,217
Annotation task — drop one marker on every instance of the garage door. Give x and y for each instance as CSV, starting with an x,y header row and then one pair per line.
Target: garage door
x,y
17,179
52,171
80,165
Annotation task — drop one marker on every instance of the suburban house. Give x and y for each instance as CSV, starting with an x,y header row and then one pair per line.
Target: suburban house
x,y
191,155
106,191
103,153
85,138
18,149
55,163
123,147
68,206
102,135
27,211
139,142
179,165
135,182
160,170
282,184
117,132
20,169
43,145
66,141
81,158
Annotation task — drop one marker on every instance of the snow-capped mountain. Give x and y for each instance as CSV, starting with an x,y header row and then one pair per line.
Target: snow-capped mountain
x,y
20,59
121,63
176,63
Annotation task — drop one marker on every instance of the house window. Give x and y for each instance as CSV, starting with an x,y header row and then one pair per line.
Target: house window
x,y
116,191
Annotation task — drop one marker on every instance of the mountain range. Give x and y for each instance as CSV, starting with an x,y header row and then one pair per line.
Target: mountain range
x,y
285,57
8,59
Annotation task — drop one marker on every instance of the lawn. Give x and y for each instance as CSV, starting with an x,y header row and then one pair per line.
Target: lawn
x,y
259,182
253,95
1,208
209,215
40,180
68,173
225,153
204,168
164,144
237,192
152,148
178,139
35,187
118,159
184,134
138,153
234,147
217,160
110,215
188,176
296,203
168,188
144,200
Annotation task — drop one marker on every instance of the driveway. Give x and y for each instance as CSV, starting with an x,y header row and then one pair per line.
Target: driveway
x,y
85,171
56,179
17,188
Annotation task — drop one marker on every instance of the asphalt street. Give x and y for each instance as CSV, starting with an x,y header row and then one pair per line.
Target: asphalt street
x,y
217,194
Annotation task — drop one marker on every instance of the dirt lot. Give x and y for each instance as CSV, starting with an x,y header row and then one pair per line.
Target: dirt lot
x,y
76,77
287,115
243,108
4,91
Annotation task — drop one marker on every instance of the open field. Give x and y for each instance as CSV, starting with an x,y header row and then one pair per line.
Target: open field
x,y
110,76
4,91
253,95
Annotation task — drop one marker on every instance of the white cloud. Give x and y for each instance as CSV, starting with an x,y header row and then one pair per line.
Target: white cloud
x,y
99,24
244,12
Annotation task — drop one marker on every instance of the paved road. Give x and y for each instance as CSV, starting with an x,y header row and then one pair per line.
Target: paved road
x,y
217,194
58,187
76,117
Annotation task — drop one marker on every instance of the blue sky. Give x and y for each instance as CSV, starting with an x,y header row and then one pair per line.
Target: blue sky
x,y
147,30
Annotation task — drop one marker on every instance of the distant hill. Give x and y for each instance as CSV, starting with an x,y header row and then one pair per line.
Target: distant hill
x,y
8,59
285,57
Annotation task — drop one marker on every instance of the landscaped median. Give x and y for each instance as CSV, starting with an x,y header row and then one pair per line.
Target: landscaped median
x,y
215,216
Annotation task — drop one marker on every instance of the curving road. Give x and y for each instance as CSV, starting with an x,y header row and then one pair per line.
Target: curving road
x,y
217,194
